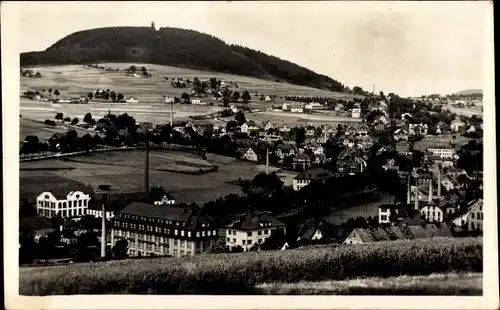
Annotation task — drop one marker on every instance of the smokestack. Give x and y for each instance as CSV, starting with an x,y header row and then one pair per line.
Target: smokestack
x,y
408,194
103,228
146,168
416,198
439,183
171,113
267,160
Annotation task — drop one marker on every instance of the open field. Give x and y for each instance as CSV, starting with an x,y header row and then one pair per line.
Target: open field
x,y
435,284
240,273
441,140
357,206
77,80
124,171
45,132
466,111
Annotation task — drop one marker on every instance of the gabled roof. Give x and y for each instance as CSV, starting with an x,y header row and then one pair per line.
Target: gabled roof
x,y
188,215
255,221
430,230
314,174
34,223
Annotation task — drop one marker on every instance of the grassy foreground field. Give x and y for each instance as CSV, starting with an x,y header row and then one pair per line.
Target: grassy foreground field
x,y
434,284
241,273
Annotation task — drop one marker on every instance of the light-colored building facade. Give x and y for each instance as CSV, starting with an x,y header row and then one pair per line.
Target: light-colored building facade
x,y
158,230
251,229
52,204
443,152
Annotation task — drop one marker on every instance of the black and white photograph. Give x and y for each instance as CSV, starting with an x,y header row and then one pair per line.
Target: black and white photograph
x,y
238,149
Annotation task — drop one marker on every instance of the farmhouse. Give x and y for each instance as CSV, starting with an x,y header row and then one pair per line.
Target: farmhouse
x,y
251,229
55,203
293,107
163,230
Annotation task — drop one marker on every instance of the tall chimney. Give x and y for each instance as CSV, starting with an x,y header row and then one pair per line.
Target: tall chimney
x,y
416,197
439,183
146,168
267,159
408,193
430,190
103,228
171,113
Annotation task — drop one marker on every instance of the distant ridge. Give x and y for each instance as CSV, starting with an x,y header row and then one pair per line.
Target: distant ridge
x,y
469,92
174,47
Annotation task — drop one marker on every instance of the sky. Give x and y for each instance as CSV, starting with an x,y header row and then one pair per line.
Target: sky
x,y
409,48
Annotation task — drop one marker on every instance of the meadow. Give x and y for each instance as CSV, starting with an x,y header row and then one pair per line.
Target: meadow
x,y
124,171
242,273
76,80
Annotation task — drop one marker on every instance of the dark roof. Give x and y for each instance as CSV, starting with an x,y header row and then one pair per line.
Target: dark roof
x,y
34,223
62,192
255,221
314,174
430,230
188,215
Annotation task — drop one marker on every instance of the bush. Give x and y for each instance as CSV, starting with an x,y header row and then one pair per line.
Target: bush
x,y
50,122
237,273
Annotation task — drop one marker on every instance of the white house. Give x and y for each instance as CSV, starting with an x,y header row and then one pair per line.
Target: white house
x,y
250,155
356,113
442,151
267,126
244,128
168,99
385,211
448,183
251,229
267,99
457,125
197,102
51,204
433,213
471,129
303,179
131,100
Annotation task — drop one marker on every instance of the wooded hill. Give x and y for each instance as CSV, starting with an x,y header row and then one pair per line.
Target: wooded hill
x,y
174,47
